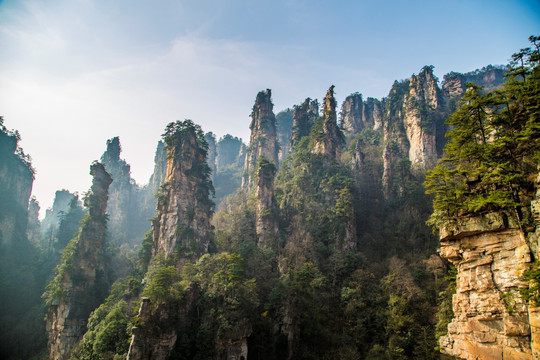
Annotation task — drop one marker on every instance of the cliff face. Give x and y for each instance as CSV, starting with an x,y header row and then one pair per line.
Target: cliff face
x,y
330,139
266,222
491,320
182,221
263,138
80,284
181,231
304,117
284,123
211,158
51,221
16,180
421,117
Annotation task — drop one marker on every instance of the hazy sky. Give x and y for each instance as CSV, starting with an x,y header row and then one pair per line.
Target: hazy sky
x,y
75,73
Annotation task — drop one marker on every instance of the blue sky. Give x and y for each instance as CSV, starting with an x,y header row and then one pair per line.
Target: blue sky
x,y
74,73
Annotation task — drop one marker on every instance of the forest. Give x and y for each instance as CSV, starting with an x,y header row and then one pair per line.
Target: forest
x,y
324,237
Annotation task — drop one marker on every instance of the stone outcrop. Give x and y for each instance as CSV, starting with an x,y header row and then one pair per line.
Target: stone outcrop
x,y
51,221
304,117
184,209
121,193
357,114
491,320
80,284
330,139
181,229
421,117
284,122
16,180
263,138
266,221
211,157
33,229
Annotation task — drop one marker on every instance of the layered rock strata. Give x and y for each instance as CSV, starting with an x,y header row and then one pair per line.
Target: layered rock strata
x,y
491,320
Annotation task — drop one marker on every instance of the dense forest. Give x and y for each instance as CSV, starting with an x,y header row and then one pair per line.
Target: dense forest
x,y
319,239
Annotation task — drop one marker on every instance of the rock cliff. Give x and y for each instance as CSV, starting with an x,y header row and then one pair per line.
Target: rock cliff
x,y
184,209
80,284
211,158
181,231
16,180
266,222
263,139
304,117
421,117
491,320
330,138
121,193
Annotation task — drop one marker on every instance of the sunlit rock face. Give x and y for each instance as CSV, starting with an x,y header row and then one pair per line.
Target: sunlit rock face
x,y
491,320
329,141
422,115
82,283
263,138
184,208
181,230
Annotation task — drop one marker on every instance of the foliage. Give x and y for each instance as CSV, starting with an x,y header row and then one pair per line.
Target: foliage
x,y
494,147
532,276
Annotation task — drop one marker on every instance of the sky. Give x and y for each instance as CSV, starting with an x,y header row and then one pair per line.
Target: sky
x,y
74,73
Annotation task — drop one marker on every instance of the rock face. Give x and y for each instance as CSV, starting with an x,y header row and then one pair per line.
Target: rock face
x,y
421,117
80,284
491,321
180,228
121,193
266,222
330,139
33,230
352,111
304,117
50,223
211,158
284,122
182,221
16,180
263,138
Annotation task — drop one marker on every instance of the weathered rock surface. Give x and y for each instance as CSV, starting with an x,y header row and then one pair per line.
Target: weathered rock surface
x,y
81,277
263,138
211,157
182,221
330,139
491,321
266,221
421,117
304,117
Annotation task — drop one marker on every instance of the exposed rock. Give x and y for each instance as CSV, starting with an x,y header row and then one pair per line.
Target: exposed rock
x,y
212,153
284,123
352,114
373,113
491,321
304,117
33,229
121,192
144,344
16,180
421,117
233,344
182,221
330,139
266,222
263,138
51,221
80,284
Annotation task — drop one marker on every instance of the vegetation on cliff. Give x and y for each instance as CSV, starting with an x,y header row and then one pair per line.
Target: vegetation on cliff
x,y
492,157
